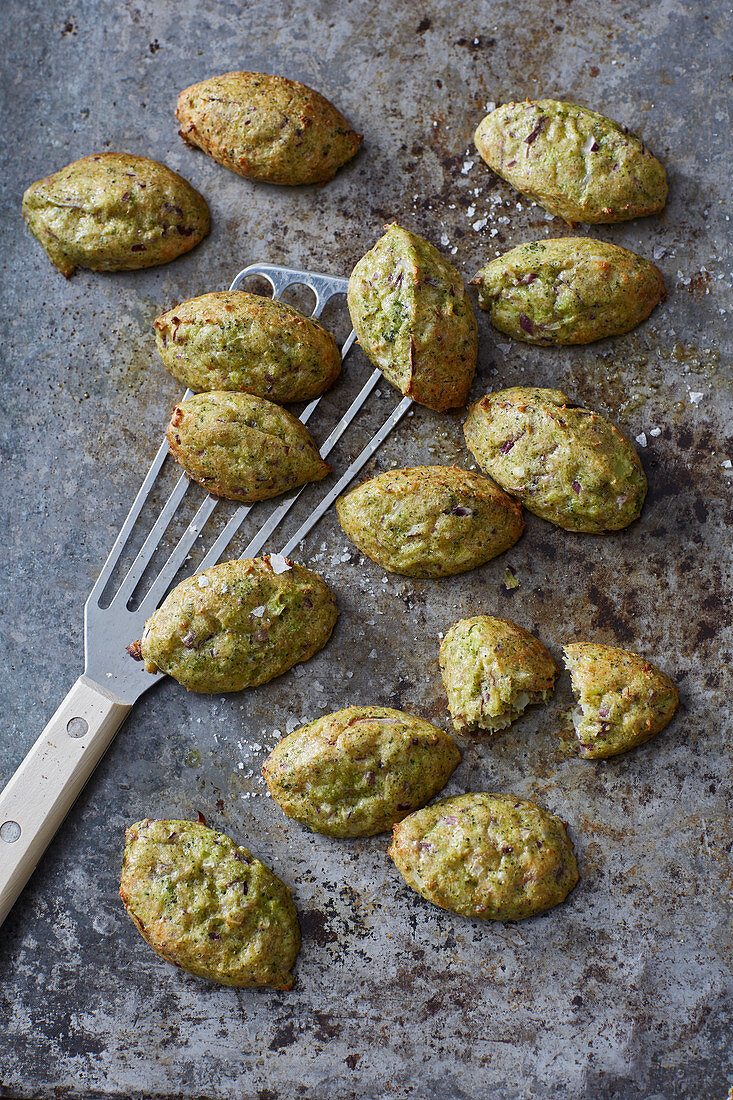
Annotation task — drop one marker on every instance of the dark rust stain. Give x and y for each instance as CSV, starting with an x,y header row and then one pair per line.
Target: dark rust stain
x,y
314,926
701,512
285,1036
608,616
327,1028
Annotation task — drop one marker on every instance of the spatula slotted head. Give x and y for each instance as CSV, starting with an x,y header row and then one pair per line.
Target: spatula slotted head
x,y
174,528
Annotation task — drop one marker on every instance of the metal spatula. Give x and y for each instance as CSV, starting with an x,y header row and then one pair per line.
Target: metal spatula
x,y
43,789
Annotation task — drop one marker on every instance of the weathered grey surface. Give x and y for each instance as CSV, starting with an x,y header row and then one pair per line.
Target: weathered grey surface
x,y
625,991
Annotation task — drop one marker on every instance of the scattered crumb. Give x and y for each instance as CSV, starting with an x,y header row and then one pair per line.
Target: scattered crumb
x,y
510,578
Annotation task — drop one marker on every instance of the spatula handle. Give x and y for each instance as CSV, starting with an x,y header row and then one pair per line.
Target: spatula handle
x,y
40,794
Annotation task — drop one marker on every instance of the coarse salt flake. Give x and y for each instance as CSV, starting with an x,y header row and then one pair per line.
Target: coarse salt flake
x,y
641,439
727,464
203,581
279,564
258,611
695,397
655,432
480,223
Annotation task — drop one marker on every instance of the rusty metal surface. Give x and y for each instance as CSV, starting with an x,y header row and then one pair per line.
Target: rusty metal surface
x,y
625,991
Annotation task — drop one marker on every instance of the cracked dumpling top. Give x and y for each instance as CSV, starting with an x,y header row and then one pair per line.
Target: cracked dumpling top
x,y
413,318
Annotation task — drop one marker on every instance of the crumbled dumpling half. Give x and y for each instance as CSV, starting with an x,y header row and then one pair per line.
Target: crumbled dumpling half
x,y
622,700
493,670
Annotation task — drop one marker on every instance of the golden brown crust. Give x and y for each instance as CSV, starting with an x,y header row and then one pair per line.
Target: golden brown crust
x,y
430,521
114,212
567,464
578,164
491,856
208,905
242,447
266,128
233,340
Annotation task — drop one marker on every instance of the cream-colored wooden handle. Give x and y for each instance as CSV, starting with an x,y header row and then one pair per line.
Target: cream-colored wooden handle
x,y
40,794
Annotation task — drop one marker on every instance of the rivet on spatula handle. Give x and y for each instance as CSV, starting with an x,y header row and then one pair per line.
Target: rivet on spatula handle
x,y
45,786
